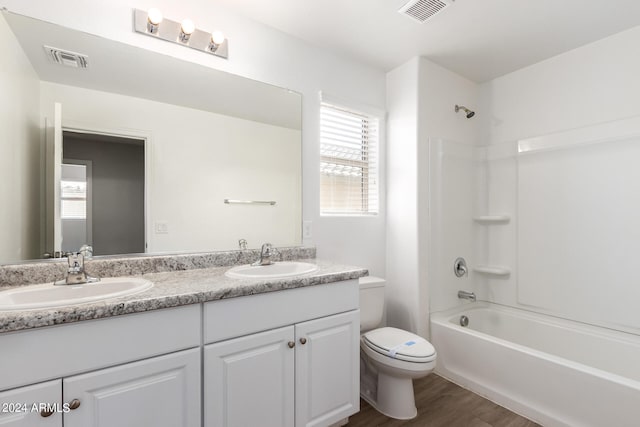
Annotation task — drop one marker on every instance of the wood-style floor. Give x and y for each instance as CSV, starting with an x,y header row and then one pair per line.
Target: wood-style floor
x,y
441,403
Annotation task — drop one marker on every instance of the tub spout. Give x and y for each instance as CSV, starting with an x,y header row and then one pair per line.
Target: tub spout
x,y
467,295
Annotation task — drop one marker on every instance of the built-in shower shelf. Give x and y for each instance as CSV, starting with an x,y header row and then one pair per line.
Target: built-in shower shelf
x,y
492,219
492,270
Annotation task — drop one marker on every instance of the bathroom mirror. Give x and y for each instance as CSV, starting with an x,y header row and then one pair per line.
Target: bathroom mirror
x,y
139,151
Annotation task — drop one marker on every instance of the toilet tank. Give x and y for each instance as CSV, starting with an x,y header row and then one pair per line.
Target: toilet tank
x,y
371,302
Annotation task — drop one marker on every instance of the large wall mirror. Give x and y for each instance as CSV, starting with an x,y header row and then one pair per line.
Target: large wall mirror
x,y
138,152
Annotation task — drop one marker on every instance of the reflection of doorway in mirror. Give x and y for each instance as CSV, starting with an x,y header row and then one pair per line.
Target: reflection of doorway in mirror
x,y
115,203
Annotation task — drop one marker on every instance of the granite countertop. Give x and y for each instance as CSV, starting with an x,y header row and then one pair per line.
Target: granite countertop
x,y
173,289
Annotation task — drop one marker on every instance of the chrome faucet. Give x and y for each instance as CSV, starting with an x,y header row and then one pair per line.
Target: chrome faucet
x,y
467,295
75,272
265,255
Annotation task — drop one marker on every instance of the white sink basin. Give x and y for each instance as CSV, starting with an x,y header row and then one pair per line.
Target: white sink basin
x,y
50,296
277,270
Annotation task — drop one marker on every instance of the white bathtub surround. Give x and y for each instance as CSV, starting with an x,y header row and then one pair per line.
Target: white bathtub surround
x,y
554,371
555,158
543,122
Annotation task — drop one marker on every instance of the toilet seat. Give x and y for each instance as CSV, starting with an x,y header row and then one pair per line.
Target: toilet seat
x,y
399,344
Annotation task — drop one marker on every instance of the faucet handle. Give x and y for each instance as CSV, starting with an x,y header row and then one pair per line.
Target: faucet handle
x,y
265,255
460,267
266,249
86,251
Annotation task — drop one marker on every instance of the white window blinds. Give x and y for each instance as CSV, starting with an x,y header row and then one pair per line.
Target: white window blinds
x,y
348,161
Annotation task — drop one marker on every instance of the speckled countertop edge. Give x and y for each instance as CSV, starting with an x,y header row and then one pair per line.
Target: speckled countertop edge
x,y
176,288
117,266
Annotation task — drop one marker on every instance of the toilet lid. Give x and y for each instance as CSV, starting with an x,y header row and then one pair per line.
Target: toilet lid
x,y
400,345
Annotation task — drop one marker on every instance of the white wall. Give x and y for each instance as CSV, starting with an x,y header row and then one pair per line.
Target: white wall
x,y
19,152
262,53
593,84
420,100
197,159
403,281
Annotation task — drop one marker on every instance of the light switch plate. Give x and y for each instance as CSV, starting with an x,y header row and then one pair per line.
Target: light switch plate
x,y
161,227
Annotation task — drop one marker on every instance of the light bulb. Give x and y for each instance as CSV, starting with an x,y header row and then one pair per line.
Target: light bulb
x,y
154,16
217,37
188,27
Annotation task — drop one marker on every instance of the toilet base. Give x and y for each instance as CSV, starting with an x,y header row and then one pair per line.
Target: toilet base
x,y
394,398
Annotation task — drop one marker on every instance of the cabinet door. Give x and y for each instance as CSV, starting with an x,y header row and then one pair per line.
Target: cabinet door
x,y
248,381
160,392
327,369
17,406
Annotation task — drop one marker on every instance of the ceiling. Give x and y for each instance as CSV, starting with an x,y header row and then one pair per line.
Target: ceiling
x,y
478,39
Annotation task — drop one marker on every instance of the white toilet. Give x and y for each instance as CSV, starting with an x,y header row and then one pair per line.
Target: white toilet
x,y
390,358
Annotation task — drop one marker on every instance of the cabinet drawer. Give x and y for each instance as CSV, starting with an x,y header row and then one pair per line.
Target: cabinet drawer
x,y
271,310
53,352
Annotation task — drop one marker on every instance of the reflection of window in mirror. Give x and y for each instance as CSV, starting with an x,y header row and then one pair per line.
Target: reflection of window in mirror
x,y
349,142
73,192
75,214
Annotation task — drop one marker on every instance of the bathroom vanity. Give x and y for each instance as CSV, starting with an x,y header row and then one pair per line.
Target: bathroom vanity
x,y
202,349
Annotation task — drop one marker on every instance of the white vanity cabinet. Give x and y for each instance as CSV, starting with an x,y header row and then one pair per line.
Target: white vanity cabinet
x,y
283,359
305,373
162,391
123,371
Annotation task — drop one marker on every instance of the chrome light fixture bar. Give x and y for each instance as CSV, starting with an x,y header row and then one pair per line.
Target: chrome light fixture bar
x,y
152,24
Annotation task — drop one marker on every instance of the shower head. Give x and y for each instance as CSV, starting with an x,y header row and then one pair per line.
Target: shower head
x,y
466,110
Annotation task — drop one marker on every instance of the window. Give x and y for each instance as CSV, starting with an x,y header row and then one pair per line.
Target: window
x,y
348,161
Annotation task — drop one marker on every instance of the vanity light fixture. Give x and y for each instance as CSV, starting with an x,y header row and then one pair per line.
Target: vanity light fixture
x,y
185,33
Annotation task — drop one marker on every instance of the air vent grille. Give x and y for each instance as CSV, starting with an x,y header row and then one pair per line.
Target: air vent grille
x,y
422,10
67,58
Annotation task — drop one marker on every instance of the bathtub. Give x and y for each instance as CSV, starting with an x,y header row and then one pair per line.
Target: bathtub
x,y
553,371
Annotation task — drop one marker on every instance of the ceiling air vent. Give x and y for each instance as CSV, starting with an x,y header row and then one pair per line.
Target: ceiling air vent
x,y
423,10
67,58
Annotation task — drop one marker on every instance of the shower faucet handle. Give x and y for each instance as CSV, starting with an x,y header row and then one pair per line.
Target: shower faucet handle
x,y
460,267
